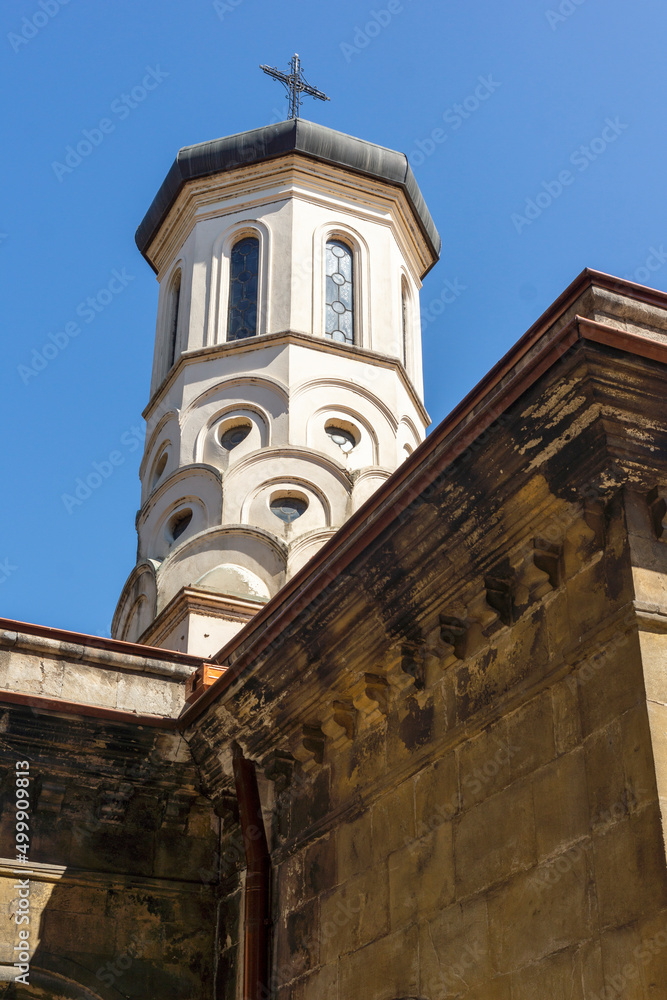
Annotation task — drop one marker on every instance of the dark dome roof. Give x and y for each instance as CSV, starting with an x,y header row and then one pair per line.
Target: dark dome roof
x,y
271,141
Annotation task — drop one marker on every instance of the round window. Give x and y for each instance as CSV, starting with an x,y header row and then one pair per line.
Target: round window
x,y
345,440
179,523
288,509
234,435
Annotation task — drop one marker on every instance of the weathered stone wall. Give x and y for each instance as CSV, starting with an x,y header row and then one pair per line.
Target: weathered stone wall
x,y
122,860
461,730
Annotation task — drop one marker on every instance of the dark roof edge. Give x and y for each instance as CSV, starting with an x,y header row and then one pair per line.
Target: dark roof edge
x,y
271,141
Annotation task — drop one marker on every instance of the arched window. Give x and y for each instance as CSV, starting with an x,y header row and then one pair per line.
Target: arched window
x,y
404,325
172,316
243,281
339,323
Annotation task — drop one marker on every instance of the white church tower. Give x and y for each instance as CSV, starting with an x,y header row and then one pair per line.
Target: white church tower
x,y
287,376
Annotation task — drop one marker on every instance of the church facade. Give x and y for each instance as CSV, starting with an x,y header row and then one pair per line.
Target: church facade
x,y
383,716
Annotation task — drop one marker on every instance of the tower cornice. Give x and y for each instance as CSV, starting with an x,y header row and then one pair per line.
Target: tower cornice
x,y
236,347
305,138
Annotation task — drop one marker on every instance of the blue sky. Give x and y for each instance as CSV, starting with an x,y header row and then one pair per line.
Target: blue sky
x,y
493,103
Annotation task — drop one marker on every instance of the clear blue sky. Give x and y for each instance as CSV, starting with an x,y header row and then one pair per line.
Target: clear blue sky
x,y
395,72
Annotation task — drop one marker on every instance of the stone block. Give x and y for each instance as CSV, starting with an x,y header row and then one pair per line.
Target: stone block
x,y
561,803
530,736
93,687
541,912
484,765
319,866
436,794
558,977
421,877
653,956
393,820
32,674
354,846
290,883
494,839
147,694
610,680
297,942
322,984
355,914
630,869
567,721
498,988
605,774
587,599
639,763
387,968
454,950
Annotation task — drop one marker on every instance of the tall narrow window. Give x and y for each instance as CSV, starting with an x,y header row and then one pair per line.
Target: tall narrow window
x,y
174,304
243,280
339,293
404,325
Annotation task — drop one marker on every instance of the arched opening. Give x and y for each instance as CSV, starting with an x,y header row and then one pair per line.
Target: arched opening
x,y
243,288
404,324
172,317
339,292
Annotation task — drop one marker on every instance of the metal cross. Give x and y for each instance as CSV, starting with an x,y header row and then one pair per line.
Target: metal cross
x,y
295,85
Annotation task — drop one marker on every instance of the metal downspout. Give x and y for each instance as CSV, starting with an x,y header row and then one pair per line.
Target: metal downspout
x,y
258,875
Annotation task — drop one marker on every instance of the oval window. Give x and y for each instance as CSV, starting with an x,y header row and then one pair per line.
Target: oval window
x,y
179,523
159,468
345,440
288,509
234,435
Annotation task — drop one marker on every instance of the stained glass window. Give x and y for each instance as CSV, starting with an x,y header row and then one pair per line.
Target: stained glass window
x,y
230,438
288,508
339,293
243,280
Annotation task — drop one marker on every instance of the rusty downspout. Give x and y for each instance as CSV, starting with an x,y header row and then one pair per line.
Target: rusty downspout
x,y
257,883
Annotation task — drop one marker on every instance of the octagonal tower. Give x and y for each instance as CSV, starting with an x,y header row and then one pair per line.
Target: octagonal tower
x,y
287,374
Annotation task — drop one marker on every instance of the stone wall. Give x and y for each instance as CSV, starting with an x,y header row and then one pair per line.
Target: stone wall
x,y
122,863
463,728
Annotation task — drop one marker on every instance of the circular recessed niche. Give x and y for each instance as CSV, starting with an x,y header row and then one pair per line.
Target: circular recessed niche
x,y
233,436
179,523
288,508
342,436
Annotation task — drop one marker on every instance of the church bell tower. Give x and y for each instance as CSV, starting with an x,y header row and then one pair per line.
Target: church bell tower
x,y
287,374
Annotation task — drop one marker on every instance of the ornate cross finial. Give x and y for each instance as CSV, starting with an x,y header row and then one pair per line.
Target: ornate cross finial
x,y
295,85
